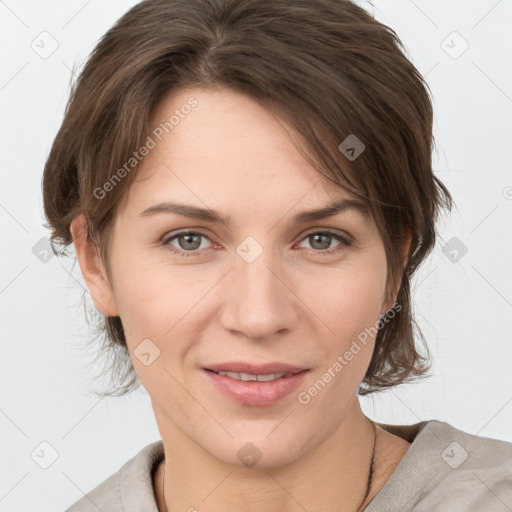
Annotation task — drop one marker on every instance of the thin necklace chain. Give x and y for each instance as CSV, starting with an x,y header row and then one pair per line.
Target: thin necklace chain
x,y
368,483
370,472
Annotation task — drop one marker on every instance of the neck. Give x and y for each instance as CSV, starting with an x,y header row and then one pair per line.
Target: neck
x,y
341,464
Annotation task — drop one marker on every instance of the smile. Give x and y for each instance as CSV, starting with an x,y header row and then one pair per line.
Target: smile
x,y
248,377
255,389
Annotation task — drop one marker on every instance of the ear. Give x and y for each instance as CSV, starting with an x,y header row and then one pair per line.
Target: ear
x,y
92,269
390,298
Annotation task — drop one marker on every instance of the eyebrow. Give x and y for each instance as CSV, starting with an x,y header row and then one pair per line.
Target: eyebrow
x,y
214,216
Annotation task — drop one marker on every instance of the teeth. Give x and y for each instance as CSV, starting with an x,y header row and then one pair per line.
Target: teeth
x,y
247,376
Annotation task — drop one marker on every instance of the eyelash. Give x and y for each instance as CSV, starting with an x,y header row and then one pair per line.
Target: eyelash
x,y
345,242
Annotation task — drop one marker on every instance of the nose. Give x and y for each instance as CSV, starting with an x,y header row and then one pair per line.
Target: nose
x,y
258,299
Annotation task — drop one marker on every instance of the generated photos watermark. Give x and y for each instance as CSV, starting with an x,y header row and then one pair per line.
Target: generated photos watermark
x,y
304,397
158,134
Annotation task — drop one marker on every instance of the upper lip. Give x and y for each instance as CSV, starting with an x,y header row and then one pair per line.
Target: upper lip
x,y
255,369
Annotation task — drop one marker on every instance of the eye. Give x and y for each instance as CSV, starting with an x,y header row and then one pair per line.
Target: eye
x,y
189,243
321,240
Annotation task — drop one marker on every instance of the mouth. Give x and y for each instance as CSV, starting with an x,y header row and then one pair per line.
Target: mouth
x,y
257,386
247,377
270,368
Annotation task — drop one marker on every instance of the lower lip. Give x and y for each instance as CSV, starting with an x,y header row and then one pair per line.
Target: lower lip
x,y
254,392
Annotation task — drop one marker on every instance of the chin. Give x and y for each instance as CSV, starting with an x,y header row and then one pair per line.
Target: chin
x,y
258,450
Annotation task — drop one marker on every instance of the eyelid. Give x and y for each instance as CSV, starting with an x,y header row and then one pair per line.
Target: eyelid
x,y
186,231
343,234
308,231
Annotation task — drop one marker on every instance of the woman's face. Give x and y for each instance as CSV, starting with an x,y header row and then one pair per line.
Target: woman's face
x,y
265,287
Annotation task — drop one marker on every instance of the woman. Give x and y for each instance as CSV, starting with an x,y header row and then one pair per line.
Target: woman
x,y
249,189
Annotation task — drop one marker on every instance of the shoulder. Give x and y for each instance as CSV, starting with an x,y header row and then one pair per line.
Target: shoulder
x,y
132,484
446,468
475,472
462,451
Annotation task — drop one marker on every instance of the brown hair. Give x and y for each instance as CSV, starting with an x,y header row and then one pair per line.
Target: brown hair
x,y
325,67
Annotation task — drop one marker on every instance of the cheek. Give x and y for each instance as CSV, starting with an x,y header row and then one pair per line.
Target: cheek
x,y
153,307
141,296
352,312
143,286
352,300
158,302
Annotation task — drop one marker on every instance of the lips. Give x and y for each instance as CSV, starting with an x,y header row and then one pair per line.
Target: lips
x,y
236,381
256,369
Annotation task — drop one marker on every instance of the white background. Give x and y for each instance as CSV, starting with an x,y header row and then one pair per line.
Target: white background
x,y
464,308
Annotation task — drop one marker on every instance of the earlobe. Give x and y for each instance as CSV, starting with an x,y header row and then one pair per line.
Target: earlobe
x,y
391,299
92,270
386,306
405,252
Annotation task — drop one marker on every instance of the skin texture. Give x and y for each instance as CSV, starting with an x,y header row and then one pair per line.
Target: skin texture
x,y
292,304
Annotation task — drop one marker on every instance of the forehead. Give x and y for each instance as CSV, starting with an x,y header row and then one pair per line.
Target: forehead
x,y
219,146
224,129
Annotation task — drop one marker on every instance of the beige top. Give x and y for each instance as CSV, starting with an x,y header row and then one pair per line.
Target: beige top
x,y
444,470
